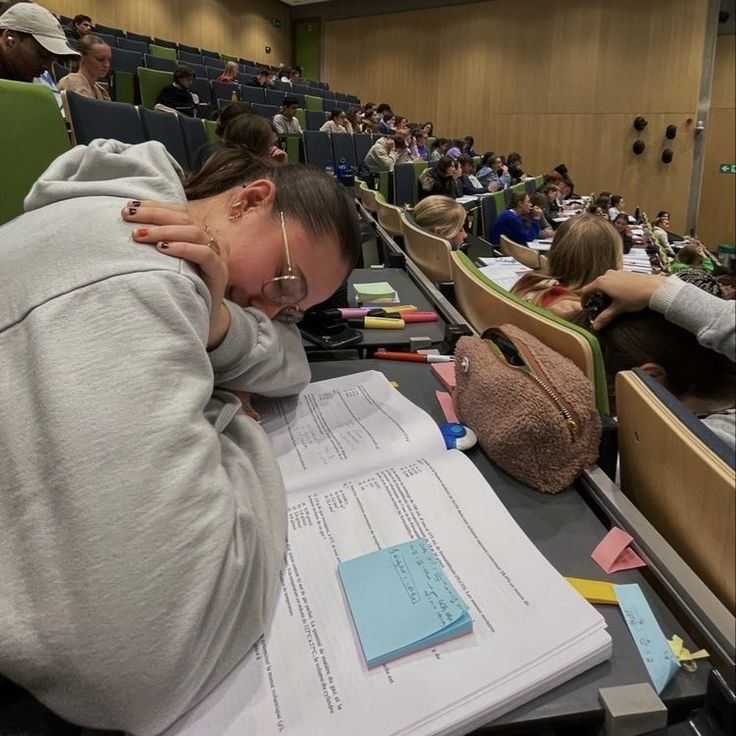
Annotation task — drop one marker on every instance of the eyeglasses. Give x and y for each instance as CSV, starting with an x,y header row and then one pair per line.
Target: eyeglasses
x,y
288,289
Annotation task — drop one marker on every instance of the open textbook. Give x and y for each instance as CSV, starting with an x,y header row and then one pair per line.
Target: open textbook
x,y
364,468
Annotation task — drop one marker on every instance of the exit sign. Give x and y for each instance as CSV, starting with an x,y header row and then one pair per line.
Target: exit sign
x,y
727,168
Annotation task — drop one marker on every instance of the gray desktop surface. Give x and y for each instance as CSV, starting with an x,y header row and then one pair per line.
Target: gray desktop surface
x,y
565,529
408,294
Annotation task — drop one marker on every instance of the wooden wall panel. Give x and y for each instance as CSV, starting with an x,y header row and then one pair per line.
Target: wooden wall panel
x,y
555,81
231,26
716,217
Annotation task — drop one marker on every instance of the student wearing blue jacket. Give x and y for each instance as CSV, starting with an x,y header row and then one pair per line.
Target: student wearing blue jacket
x,y
510,224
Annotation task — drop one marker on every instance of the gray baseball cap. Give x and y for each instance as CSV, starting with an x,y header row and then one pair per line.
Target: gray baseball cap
x,y
40,23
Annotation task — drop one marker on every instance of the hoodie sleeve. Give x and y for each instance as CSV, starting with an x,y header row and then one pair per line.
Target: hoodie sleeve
x,y
154,524
260,356
710,319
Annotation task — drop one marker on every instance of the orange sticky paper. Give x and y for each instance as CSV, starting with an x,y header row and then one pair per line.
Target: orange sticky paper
x,y
445,402
613,553
445,373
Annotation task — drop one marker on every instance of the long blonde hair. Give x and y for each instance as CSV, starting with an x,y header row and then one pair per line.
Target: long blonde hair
x,y
584,247
440,215
231,69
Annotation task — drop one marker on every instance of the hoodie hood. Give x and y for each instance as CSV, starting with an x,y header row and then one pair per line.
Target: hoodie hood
x,y
109,168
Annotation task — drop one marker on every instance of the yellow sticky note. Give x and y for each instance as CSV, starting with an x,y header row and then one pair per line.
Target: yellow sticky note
x,y
595,591
677,645
395,384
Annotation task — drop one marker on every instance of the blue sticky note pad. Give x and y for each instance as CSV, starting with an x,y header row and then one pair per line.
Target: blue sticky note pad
x,y
401,601
648,637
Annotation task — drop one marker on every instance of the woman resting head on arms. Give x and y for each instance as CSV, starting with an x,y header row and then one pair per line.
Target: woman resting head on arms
x,y
583,248
136,475
94,64
442,216
702,379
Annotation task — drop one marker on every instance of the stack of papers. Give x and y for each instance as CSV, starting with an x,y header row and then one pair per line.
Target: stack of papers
x,y
364,468
637,260
541,244
504,271
401,601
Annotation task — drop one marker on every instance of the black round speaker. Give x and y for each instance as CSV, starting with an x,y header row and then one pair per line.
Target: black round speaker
x,y
667,156
671,132
640,123
639,147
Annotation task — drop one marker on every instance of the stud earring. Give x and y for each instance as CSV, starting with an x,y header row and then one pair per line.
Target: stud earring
x,y
235,213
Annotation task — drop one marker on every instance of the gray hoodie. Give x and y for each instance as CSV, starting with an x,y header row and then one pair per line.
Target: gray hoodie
x,y
142,515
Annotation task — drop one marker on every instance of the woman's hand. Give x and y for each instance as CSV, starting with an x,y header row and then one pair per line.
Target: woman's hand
x,y
278,156
174,232
629,292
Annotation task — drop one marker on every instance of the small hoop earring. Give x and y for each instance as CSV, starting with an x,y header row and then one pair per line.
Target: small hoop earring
x,y
235,214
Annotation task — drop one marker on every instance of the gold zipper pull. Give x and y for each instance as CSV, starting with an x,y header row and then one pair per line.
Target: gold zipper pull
x,y
572,427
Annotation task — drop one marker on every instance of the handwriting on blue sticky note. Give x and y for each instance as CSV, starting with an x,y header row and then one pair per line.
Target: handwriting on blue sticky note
x,y
648,637
401,601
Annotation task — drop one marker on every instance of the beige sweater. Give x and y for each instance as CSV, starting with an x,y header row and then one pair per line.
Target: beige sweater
x,y
76,82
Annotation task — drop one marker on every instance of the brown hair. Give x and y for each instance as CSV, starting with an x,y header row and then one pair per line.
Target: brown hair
x,y
252,131
636,338
305,193
182,72
583,248
516,198
690,256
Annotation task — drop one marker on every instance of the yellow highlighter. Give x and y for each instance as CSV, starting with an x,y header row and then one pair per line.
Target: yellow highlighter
x,y
377,323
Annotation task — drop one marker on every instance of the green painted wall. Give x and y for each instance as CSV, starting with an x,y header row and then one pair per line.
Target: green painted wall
x,y
308,46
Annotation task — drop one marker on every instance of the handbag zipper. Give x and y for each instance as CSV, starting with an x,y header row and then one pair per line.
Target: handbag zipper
x,y
527,369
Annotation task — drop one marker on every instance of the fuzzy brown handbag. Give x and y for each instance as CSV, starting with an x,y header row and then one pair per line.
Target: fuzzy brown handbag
x,y
534,411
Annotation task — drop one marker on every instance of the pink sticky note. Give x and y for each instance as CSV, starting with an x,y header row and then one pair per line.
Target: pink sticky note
x,y
613,553
445,372
445,402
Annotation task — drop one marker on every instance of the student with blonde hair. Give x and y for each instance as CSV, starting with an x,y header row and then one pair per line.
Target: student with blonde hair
x,y
94,65
584,248
442,216
230,75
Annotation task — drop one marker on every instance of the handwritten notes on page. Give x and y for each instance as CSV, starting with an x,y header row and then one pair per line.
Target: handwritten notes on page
x,y
401,601
650,641
613,553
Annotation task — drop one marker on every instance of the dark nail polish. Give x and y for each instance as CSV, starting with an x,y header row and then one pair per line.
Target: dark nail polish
x,y
163,245
132,210
135,203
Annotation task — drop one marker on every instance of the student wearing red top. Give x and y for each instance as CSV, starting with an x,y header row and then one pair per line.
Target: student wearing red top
x,y
584,248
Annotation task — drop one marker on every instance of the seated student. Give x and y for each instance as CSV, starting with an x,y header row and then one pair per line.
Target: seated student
x,y
499,177
263,79
401,125
583,248
552,193
509,222
441,178
515,170
230,73
439,149
660,228
383,153
454,149
621,223
567,189
545,229
236,125
442,216
80,26
705,382
386,123
336,123
617,206
25,54
286,121
692,255
93,65
354,120
469,181
467,147
418,146
141,496
428,128
294,75
484,168
177,95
